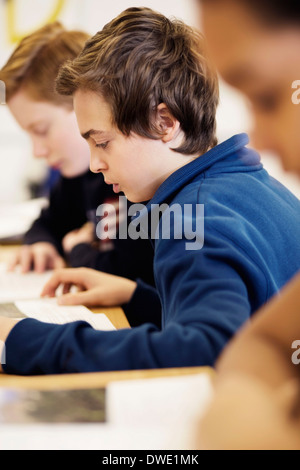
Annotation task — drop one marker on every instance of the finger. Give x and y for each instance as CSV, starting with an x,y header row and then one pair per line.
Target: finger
x,y
88,228
40,262
13,262
87,298
66,288
63,276
58,263
25,259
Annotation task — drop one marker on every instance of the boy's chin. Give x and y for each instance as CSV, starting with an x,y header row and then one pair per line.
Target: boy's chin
x,y
132,198
72,173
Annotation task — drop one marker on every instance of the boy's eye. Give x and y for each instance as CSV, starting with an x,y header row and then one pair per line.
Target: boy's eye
x,y
102,146
40,132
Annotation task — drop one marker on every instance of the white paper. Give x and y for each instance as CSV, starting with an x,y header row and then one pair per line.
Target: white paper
x,y
17,286
175,404
16,219
47,310
84,437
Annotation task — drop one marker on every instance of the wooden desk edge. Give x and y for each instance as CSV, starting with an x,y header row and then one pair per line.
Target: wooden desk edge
x,y
115,314
95,380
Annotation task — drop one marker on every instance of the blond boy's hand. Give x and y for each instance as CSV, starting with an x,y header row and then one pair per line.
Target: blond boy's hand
x,y
86,234
39,257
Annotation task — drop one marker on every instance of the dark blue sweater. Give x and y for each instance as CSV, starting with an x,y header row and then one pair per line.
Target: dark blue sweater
x,y
250,250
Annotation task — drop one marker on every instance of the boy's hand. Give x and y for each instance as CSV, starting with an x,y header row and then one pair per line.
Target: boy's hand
x,y
39,257
94,288
86,234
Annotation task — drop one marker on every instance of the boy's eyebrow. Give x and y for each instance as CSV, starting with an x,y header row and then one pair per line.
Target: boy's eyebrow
x,y
87,135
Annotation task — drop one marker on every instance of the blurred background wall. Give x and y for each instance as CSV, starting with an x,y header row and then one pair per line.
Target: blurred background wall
x,y
18,169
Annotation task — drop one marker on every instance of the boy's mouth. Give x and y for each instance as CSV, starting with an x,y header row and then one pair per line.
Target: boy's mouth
x,y
116,187
55,165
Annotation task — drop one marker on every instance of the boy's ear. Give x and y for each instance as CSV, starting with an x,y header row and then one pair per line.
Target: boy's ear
x,y
168,124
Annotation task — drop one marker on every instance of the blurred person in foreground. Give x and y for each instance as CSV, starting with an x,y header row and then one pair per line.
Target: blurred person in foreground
x,y
256,48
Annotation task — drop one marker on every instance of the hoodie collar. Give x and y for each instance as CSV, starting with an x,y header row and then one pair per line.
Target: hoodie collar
x,y
183,175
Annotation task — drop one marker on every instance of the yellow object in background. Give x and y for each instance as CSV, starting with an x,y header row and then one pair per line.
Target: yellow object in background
x,y
15,36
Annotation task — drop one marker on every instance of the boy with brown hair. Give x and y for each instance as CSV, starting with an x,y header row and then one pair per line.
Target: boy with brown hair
x,y
145,98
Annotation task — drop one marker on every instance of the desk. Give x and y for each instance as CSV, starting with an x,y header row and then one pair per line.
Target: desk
x,y
94,380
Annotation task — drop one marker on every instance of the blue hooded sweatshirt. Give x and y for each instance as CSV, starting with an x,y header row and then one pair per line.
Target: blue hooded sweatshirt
x,y
215,267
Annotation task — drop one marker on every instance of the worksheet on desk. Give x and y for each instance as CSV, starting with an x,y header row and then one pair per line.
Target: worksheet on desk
x,y
17,286
20,297
47,310
17,218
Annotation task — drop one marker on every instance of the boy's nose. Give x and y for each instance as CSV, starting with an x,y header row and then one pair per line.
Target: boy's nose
x,y
97,164
40,150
